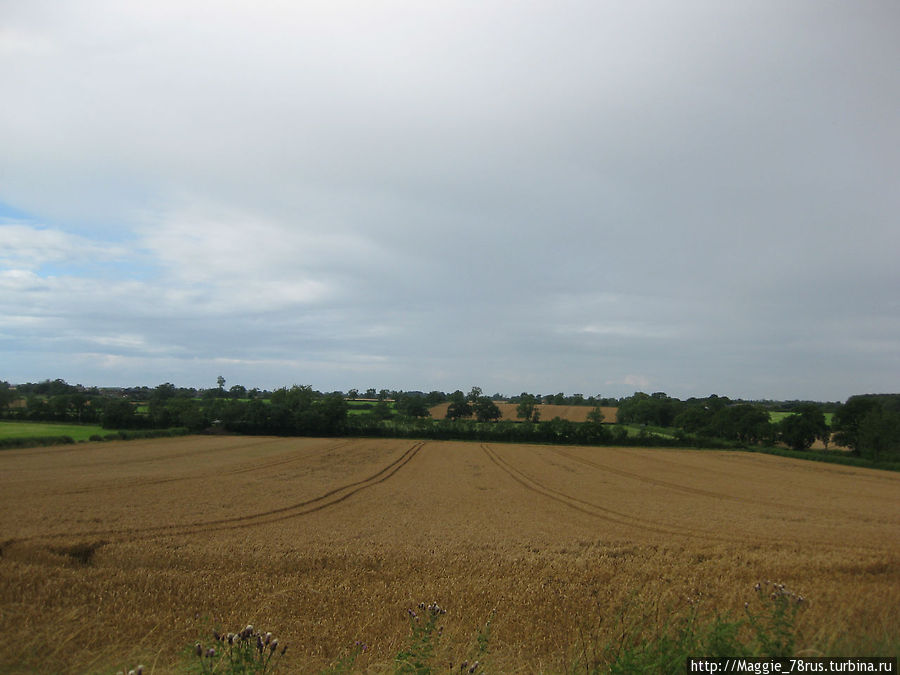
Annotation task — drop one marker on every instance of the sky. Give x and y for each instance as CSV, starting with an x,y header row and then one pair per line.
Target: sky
x,y
594,197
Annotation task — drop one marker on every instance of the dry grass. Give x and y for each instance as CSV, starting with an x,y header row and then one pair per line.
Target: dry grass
x,y
114,553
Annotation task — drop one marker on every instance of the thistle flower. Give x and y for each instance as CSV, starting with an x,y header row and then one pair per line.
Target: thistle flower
x,y
210,653
198,649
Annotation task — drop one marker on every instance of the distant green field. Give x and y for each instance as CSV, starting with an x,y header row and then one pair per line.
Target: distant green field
x,y
778,416
80,432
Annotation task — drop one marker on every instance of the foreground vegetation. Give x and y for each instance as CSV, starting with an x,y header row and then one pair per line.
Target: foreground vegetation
x,y
646,642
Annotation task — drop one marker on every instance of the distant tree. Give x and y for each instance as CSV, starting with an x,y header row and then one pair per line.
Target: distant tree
x,y
848,420
801,429
118,413
658,409
596,416
878,437
434,398
184,412
486,410
7,396
220,384
693,418
163,392
353,394
382,410
370,393
527,407
36,408
474,394
459,406
559,429
412,405
238,391
58,406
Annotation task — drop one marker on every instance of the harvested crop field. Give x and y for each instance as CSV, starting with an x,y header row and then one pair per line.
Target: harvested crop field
x,y
573,413
119,553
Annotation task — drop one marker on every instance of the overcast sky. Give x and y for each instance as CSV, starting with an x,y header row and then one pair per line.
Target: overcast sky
x,y
596,197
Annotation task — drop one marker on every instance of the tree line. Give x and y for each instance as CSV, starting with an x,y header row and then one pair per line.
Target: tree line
x,y
869,425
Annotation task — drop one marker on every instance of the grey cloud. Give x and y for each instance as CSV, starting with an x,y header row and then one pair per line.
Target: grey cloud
x,y
695,197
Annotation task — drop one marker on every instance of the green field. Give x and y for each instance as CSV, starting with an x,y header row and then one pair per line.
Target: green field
x,y
80,432
780,415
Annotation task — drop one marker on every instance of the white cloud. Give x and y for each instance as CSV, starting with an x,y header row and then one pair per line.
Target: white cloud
x,y
29,247
541,195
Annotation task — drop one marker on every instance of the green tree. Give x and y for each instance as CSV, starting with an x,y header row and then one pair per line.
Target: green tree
x,y
848,419
486,410
434,398
878,437
596,416
118,413
801,429
412,405
7,396
527,407
459,406
382,410
58,406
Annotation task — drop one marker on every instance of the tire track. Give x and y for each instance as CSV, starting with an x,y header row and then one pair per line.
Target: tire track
x,y
216,449
684,489
244,467
591,509
628,520
303,508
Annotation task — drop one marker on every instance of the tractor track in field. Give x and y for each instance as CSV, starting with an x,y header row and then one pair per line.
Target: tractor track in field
x,y
244,467
126,461
683,489
620,518
816,508
324,501
617,517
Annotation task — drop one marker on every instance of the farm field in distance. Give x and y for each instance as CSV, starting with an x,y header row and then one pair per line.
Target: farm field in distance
x,y
79,432
121,553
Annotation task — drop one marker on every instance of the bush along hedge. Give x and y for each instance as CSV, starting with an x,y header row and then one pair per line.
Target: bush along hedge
x,y
34,441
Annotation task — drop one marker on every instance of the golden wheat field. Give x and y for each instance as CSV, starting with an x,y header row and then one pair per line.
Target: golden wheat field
x,y
117,553
573,413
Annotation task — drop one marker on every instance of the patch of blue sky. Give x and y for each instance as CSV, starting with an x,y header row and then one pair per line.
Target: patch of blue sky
x,y
131,269
10,214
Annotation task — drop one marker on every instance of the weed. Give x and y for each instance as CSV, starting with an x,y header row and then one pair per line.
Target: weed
x,y
419,653
243,653
773,625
